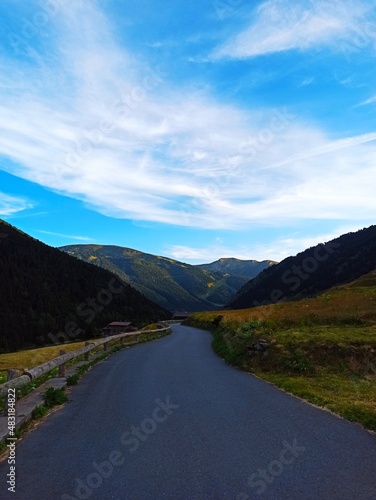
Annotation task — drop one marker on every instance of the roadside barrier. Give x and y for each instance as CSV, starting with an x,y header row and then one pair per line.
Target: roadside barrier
x,y
60,361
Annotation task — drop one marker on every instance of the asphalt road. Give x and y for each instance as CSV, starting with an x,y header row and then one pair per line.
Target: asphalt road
x,y
170,420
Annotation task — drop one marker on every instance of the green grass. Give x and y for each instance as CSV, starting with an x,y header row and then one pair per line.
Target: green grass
x,y
152,326
329,334
81,370
54,396
322,349
32,386
340,377
39,412
353,398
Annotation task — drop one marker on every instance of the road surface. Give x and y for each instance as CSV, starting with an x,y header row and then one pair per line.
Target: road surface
x,y
170,420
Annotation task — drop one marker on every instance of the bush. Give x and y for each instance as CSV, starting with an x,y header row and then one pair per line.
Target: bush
x,y
247,330
73,379
224,347
217,321
39,412
297,362
54,397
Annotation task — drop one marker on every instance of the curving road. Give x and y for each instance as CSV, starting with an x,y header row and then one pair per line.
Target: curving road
x,y
170,420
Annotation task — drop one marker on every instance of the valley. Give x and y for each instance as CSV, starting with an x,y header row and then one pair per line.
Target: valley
x,y
315,312
171,284
187,250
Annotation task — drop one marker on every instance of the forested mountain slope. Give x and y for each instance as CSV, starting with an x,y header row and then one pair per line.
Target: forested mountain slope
x,y
313,271
45,291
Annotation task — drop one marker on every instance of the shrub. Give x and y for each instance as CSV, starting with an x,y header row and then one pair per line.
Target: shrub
x,y
39,412
73,379
217,321
297,362
54,397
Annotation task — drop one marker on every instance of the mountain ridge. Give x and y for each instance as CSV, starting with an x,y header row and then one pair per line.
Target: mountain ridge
x,y
47,294
312,271
238,267
170,283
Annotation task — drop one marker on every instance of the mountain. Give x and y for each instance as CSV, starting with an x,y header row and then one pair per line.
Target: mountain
x,y
313,271
47,295
169,283
246,269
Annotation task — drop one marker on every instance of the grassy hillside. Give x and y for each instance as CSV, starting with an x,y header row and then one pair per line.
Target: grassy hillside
x,y
170,283
311,272
46,294
322,349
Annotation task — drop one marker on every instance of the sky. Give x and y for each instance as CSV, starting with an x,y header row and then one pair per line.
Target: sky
x,y
192,129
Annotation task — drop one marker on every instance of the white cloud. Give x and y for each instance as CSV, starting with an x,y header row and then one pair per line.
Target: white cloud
x,y
306,81
281,25
276,250
102,127
371,100
12,204
204,255
67,236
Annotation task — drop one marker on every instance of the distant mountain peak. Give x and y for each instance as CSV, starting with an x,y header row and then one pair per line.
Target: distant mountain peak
x,y
237,267
172,284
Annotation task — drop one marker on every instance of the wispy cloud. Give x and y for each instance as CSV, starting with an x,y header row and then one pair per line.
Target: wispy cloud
x,y
91,121
281,25
12,204
371,100
66,236
306,81
277,249
329,147
205,255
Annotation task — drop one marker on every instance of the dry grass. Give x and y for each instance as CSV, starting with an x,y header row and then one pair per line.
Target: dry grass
x,y
342,305
152,326
22,360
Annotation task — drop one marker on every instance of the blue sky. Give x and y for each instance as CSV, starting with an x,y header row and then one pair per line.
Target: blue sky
x,y
194,130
